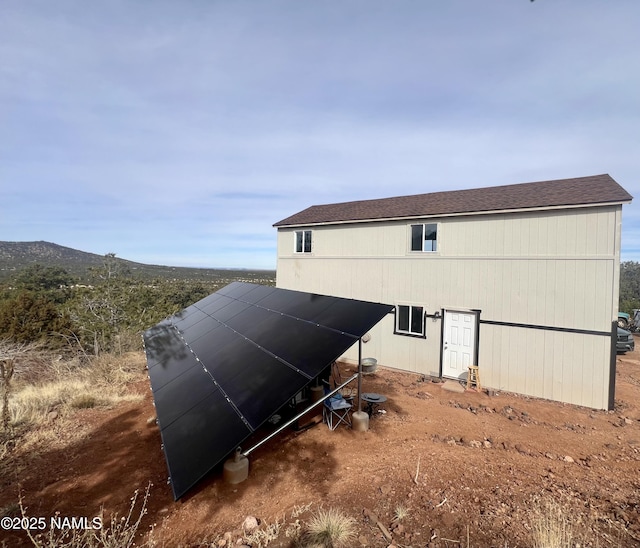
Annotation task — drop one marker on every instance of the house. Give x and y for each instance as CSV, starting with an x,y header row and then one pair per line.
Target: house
x,y
521,280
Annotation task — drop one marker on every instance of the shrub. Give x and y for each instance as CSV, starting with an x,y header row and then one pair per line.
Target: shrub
x,y
32,317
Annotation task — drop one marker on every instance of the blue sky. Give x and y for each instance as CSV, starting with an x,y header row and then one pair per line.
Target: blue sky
x,y
178,132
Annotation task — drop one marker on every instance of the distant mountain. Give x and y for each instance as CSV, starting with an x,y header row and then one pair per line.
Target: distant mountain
x,y
14,256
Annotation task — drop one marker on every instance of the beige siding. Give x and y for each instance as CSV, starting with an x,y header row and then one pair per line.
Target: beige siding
x,y
570,233
549,269
574,294
547,364
573,233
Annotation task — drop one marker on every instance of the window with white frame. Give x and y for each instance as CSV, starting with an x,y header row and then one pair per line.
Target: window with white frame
x,y
410,320
303,241
424,237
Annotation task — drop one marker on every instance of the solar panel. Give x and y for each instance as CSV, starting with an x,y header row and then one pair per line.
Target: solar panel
x,y
222,367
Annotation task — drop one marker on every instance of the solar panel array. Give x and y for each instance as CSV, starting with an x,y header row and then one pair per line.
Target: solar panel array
x,y
223,366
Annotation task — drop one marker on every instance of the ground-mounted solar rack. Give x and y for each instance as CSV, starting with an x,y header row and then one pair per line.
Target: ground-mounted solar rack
x,y
223,366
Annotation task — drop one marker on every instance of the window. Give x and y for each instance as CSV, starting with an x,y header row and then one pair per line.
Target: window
x,y
303,241
410,320
424,237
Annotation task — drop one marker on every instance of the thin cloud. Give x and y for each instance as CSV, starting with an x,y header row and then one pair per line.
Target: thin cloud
x,y
179,133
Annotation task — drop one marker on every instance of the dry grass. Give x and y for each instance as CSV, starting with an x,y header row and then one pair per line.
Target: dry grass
x,y
401,512
550,527
67,386
325,529
116,532
260,538
45,394
329,529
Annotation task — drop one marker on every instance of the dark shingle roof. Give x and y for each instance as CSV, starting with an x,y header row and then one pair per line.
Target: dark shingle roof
x,y
596,189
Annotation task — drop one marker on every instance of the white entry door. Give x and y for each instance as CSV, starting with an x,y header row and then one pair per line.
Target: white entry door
x,y
458,344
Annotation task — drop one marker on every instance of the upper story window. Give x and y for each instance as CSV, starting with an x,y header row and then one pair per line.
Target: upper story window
x,y
303,241
410,320
424,237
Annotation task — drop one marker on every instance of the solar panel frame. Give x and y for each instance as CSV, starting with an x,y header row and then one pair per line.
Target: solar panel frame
x,y
223,366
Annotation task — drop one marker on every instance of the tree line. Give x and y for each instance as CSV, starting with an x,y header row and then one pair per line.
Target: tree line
x,y
106,313
629,287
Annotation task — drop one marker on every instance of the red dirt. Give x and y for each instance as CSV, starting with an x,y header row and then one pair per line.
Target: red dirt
x,y
460,464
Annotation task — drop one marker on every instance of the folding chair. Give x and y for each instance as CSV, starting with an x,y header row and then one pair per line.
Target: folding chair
x,y
336,411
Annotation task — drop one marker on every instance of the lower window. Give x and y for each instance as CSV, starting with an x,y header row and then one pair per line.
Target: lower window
x,y
410,320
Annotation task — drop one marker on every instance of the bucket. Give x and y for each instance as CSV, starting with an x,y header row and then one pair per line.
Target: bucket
x,y
369,365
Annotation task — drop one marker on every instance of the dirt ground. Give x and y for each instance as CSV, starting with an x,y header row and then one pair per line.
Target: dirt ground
x,y
453,466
